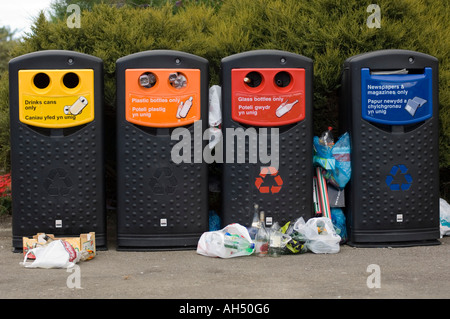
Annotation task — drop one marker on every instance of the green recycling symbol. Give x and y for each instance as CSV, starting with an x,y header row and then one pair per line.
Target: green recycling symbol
x,y
402,180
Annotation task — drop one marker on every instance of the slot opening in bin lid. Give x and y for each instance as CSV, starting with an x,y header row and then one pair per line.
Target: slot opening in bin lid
x,y
396,71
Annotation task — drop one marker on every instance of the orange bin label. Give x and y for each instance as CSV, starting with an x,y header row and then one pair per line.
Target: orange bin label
x,y
275,98
162,97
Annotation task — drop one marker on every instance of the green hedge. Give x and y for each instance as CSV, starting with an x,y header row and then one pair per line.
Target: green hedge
x,y
328,31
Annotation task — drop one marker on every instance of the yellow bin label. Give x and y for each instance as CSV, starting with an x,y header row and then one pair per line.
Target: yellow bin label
x,y
56,98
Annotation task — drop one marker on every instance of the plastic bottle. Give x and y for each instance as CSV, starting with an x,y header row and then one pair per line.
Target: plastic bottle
x,y
275,240
147,80
253,229
327,137
177,80
237,243
262,238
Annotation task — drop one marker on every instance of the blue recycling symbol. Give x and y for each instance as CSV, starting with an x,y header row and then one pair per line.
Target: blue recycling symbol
x,y
404,183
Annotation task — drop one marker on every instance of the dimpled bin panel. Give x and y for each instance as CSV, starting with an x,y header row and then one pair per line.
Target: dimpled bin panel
x,y
293,200
155,191
379,204
57,180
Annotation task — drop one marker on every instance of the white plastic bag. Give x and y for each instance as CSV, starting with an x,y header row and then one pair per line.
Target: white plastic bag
x,y
444,214
56,254
319,234
215,100
215,115
212,243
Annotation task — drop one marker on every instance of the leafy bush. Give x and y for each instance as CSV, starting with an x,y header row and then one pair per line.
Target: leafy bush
x,y
328,31
5,194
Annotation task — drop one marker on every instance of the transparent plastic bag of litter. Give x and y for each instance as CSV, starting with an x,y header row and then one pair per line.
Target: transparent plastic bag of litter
x,y
319,234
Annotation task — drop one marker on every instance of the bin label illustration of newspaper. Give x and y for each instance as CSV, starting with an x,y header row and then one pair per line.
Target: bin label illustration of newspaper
x,y
413,104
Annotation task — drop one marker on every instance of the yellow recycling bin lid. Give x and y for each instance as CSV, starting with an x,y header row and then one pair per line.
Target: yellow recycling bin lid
x,y
56,98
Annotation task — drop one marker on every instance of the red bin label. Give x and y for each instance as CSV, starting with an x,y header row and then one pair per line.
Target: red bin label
x,y
268,97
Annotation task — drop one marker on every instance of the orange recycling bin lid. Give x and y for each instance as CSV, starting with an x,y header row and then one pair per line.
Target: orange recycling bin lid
x,y
162,97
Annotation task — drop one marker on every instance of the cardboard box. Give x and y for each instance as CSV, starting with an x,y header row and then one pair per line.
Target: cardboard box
x,y
84,242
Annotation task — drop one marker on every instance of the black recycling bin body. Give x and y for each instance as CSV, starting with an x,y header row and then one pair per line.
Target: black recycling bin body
x,y
162,181
389,106
57,158
267,136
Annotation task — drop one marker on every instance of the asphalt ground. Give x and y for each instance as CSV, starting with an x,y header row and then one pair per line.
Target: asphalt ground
x,y
419,272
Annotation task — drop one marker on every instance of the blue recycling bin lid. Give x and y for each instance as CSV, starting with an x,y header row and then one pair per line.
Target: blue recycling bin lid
x,y
396,99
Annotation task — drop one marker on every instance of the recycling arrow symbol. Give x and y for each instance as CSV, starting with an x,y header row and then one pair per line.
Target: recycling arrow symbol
x,y
57,182
163,181
398,179
261,180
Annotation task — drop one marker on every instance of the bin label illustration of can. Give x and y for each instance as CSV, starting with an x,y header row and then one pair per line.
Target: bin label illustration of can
x,y
162,97
56,98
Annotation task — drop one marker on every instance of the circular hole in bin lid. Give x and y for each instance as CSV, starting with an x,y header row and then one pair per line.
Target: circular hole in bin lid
x,y
147,80
253,79
178,80
71,80
41,80
282,79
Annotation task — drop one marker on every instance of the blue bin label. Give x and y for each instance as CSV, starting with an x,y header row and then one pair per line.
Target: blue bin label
x,y
396,99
